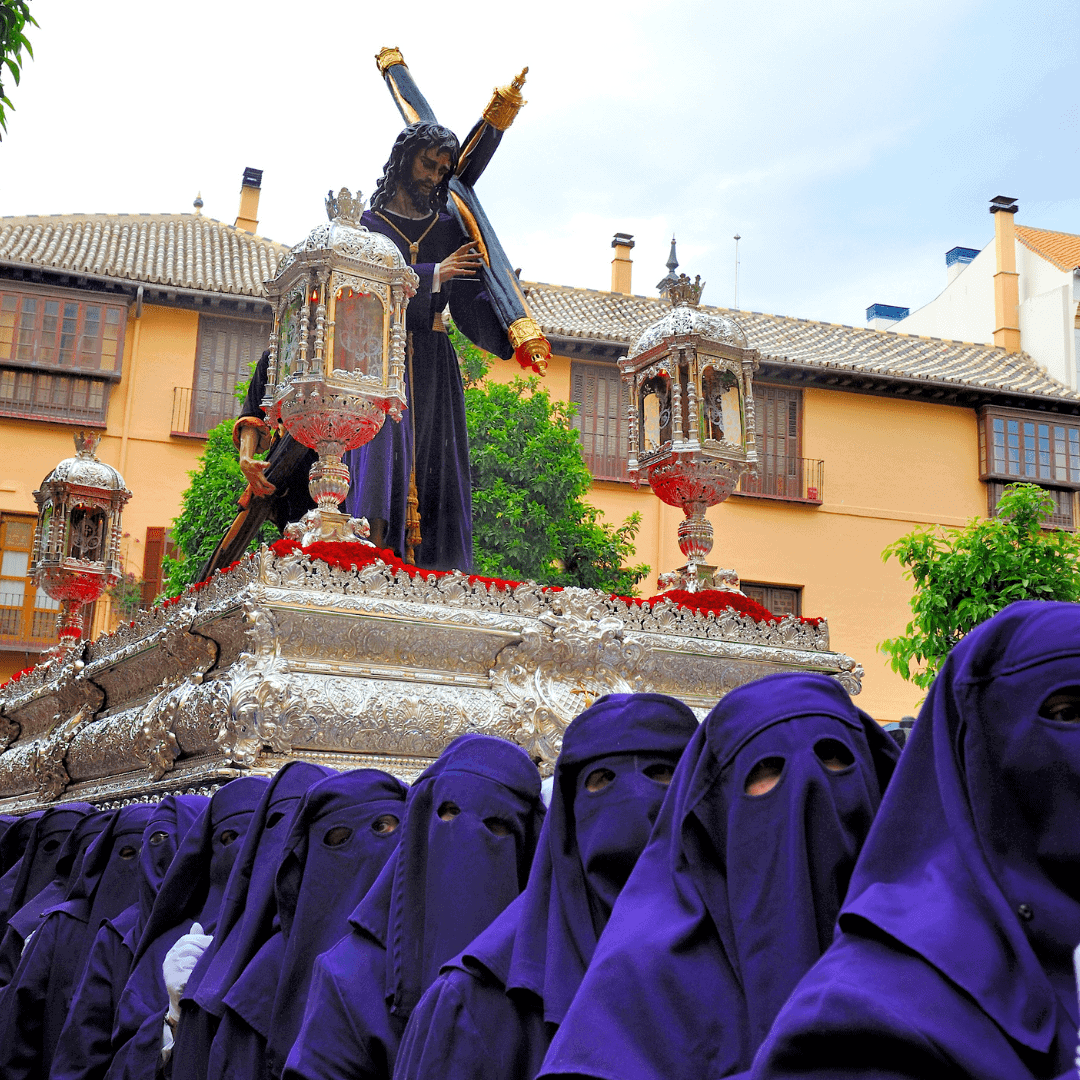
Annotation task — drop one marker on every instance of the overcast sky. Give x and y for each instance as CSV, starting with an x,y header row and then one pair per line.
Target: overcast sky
x,y
849,143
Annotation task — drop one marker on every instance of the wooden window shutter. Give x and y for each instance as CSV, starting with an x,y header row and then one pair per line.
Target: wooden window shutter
x,y
601,398
226,350
153,553
779,435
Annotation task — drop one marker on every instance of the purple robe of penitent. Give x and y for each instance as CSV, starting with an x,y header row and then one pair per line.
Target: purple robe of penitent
x,y
37,1000
344,832
246,917
65,863
84,1049
737,894
192,892
471,825
955,951
491,1013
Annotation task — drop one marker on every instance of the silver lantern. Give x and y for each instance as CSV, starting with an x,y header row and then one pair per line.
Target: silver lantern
x,y
691,421
337,353
76,554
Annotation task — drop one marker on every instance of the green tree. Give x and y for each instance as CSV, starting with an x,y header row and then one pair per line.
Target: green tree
x,y
963,576
530,519
208,509
14,18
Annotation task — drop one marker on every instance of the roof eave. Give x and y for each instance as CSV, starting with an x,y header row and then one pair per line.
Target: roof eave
x,y
164,291
851,380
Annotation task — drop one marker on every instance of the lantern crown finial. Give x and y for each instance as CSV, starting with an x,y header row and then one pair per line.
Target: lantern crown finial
x,y
86,443
344,207
682,292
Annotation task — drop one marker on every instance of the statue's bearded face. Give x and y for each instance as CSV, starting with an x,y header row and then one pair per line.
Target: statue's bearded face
x,y
429,170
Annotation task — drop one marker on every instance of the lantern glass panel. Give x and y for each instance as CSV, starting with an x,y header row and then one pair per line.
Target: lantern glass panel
x,y
721,412
289,335
655,414
86,536
358,333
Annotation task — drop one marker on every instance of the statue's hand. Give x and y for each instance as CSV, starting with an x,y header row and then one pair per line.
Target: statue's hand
x,y
465,262
253,472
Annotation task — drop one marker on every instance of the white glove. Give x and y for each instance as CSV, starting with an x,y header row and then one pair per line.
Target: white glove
x,y
179,962
547,789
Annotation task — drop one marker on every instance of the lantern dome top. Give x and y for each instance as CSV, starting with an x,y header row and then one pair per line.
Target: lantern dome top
x,y
686,319
344,235
84,469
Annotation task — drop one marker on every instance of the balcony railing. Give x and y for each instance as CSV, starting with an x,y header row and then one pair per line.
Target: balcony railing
x,y
789,479
195,412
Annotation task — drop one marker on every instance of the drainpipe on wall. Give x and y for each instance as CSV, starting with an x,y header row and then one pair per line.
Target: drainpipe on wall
x,y
130,398
1006,279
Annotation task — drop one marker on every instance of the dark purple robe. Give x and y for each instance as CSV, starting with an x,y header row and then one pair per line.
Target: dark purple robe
x,y
380,470
192,892
246,918
471,824
12,848
84,1049
737,894
65,866
37,866
341,839
491,1013
37,1000
955,956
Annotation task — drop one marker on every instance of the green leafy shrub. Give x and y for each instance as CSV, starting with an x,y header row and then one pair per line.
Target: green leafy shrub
x,y
963,576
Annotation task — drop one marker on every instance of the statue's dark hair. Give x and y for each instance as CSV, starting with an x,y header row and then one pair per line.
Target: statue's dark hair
x,y
398,169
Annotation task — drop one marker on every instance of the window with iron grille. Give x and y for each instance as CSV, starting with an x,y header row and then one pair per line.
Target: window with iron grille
x,y
226,351
602,400
26,613
779,599
782,473
1063,517
58,355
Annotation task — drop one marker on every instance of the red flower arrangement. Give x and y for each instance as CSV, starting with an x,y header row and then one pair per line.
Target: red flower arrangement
x,y
16,677
349,556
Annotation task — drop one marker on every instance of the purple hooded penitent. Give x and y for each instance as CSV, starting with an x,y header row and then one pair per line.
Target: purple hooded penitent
x,y
471,824
80,831
191,892
84,1049
37,999
247,914
491,1013
954,957
737,893
342,835
37,866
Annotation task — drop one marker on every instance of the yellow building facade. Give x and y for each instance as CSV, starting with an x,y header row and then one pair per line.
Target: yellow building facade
x,y
863,434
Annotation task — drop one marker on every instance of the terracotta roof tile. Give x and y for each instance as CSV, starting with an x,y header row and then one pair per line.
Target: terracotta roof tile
x,y
184,251
589,315
1062,249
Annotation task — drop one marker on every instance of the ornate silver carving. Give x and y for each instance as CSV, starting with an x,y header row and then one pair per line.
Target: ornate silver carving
x,y
48,762
286,657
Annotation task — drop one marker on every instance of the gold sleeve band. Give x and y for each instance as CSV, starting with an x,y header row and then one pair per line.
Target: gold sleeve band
x,y
531,348
388,57
506,103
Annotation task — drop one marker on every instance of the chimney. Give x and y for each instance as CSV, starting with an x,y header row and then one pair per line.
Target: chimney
x,y
621,265
956,259
247,218
1006,279
882,316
